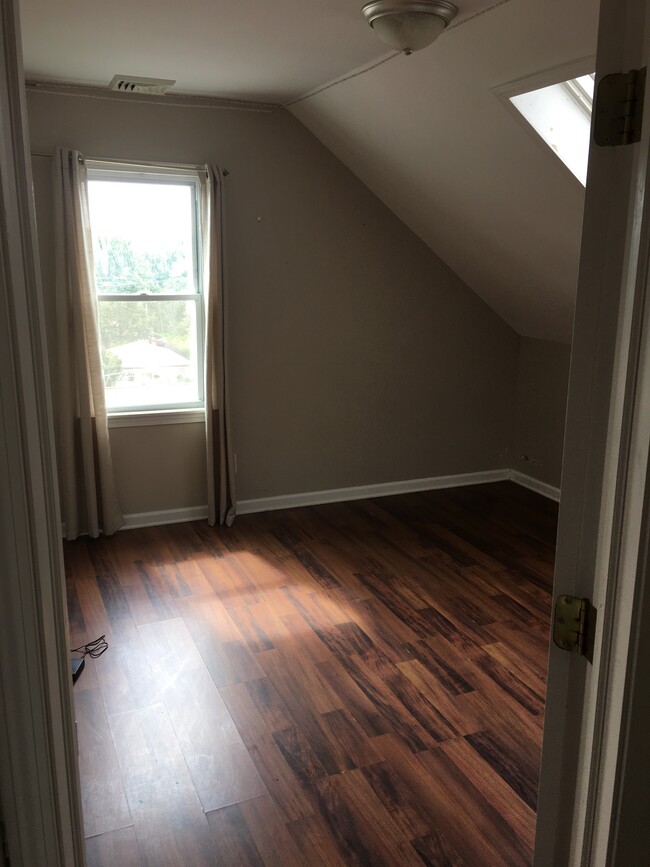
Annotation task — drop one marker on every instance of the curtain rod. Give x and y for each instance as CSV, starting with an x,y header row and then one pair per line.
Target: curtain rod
x,y
136,163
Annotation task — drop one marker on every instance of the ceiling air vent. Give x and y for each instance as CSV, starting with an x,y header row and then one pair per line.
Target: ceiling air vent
x,y
131,84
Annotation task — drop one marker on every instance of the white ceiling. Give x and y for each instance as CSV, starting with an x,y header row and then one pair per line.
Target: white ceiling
x,y
428,136
425,132
270,50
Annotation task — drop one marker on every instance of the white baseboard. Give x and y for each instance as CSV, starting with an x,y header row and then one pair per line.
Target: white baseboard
x,y
166,516
341,495
542,488
362,492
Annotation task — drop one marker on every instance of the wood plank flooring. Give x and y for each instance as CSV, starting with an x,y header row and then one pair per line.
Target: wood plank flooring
x,y
350,684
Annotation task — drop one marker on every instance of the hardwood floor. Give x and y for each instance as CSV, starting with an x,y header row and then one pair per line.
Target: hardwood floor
x,y
350,684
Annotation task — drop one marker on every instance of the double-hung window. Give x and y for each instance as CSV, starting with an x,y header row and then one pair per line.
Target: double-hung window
x,y
147,255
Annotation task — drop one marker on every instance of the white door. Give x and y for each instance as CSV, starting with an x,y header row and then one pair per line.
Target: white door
x,y
603,487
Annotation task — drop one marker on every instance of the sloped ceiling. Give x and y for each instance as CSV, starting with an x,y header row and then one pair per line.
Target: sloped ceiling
x,y
429,137
425,132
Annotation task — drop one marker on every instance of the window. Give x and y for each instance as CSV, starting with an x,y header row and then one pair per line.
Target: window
x,y
146,249
561,114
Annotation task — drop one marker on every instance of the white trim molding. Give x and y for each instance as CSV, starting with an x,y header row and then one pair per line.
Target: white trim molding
x,y
165,516
156,418
542,488
39,783
342,495
362,492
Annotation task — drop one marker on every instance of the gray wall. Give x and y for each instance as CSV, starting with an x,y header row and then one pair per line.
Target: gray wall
x,y
357,356
540,409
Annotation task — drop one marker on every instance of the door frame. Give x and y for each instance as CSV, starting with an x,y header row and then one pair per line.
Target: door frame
x,y
604,480
39,789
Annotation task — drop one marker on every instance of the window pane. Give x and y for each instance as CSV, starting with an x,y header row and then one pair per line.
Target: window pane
x,y
142,236
149,353
557,116
586,82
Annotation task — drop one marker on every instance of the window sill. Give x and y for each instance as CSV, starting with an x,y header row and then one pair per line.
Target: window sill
x,y
156,417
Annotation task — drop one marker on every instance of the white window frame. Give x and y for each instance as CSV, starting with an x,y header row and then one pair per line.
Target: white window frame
x,y
580,96
102,170
562,74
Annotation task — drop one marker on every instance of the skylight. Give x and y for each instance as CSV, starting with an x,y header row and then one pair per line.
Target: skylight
x,y
561,114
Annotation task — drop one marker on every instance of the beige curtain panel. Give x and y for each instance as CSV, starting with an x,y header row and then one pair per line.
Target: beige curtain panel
x,y
88,498
221,470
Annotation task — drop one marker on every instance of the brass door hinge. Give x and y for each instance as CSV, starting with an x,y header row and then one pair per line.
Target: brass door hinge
x,y
574,625
618,109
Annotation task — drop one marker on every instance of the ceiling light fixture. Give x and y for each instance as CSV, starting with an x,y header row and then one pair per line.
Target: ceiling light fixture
x,y
409,26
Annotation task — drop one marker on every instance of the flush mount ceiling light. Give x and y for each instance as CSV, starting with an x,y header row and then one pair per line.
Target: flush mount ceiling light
x,y
409,26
